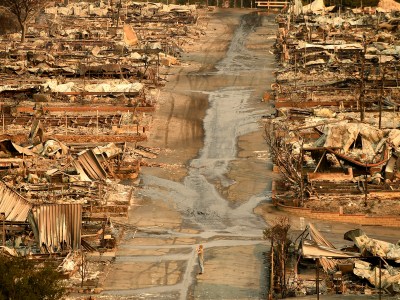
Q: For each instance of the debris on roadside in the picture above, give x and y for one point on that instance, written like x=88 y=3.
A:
x=334 y=137
x=315 y=265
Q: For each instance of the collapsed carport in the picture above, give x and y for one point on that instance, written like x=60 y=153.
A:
x=55 y=227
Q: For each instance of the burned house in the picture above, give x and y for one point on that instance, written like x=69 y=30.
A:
x=362 y=266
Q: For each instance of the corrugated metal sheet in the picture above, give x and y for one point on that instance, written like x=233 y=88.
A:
x=91 y=165
x=57 y=224
x=13 y=204
x=82 y=174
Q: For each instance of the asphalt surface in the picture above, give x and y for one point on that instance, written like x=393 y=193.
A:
x=209 y=135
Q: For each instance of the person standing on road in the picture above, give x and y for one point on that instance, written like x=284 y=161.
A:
x=200 y=258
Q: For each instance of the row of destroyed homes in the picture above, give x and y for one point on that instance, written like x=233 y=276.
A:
x=76 y=101
x=335 y=136
x=335 y=141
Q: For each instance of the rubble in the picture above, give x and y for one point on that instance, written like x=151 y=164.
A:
x=368 y=267
x=334 y=136
x=76 y=101
x=334 y=140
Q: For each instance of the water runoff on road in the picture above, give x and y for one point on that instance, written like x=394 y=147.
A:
x=230 y=115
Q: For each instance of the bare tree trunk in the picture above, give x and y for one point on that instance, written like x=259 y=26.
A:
x=23 y=32
x=283 y=265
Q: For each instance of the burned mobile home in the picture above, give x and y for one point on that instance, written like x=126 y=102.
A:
x=76 y=101
x=334 y=139
x=51 y=183
x=314 y=265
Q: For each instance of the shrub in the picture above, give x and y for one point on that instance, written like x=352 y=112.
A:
x=23 y=279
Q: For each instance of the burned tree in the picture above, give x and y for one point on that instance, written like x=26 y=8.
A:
x=278 y=236
x=84 y=267
x=24 y=11
x=287 y=156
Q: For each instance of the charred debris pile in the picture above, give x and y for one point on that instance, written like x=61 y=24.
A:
x=311 y=264
x=90 y=70
x=335 y=136
x=76 y=101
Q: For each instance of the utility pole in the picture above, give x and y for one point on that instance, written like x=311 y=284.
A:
x=362 y=79
x=317 y=277
x=118 y=11
x=381 y=95
x=158 y=67
x=380 y=277
x=301 y=174
x=366 y=186
x=271 y=278
x=3 y=215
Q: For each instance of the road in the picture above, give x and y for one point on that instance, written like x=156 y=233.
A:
x=216 y=172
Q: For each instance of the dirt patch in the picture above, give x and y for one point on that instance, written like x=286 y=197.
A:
x=372 y=206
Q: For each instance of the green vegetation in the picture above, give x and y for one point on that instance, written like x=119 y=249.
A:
x=23 y=279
